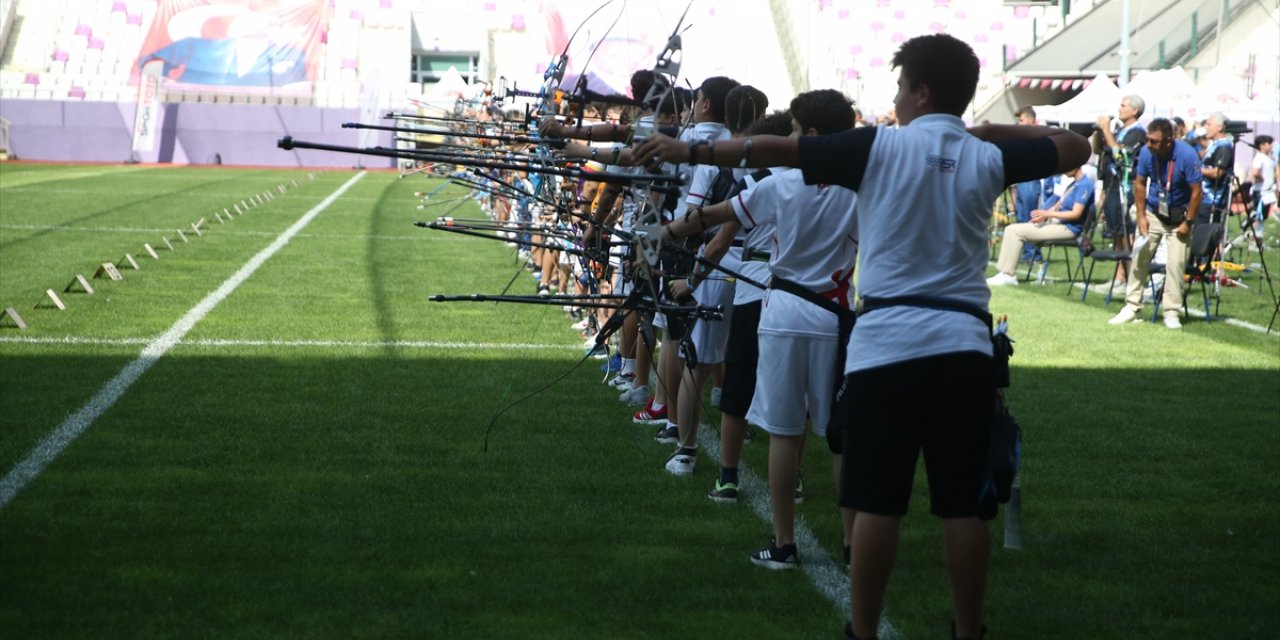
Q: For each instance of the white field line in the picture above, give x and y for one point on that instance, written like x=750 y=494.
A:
x=75 y=424
x=55 y=227
x=828 y=576
x=1190 y=311
x=293 y=344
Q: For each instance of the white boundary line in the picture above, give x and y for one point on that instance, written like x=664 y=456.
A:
x=300 y=344
x=75 y=424
x=1190 y=310
x=829 y=577
x=229 y=232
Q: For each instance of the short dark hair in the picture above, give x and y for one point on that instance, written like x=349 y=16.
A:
x=674 y=103
x=742 y=106
x=825 y=110
x=716 y=89
x=1025 y=110
x=1163 y=126
x=777 y=123
x=1258 y=141
x=640 y=83
x=945 y=64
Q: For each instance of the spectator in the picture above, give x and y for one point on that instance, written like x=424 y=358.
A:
x=1219 y=162
x=1115 y=166
x=1062 y=219
x=1027 y=196
x=1168 y=190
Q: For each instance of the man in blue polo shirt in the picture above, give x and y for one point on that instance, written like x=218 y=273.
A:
x=1167 y=193
x=1062 y=218
x=928 y=335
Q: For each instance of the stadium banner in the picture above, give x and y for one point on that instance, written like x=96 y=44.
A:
x=267 y=46
x=146 y=118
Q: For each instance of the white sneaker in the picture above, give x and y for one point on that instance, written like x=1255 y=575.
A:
x=1126 y=315
x=581 y=324
x=681 y=464
x=1002 y=279
x=623 y=381
x=715 y=397
x=1171 y=321
x=635 y=396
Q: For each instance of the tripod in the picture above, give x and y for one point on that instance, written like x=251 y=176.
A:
x=1248 y=234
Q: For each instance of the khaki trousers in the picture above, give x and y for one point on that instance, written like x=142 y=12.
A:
x=1176 y=262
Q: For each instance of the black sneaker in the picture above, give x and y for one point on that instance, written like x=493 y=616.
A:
x=775 y=557
x=668 y=435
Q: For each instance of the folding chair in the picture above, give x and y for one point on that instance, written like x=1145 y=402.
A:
x=1201 y=251
x=1121 y=258
x=1066 y=245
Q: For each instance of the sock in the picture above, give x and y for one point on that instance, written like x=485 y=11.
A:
x=629 y=365
x=672 y=425
x=658 y=406
x=728 y=475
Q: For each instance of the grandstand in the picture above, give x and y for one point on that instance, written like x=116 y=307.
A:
x=69 y=69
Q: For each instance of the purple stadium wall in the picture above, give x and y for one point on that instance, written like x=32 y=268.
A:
x=190 y=133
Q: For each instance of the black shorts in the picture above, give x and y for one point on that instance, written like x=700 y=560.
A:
x=740 y=357
x=941 y=405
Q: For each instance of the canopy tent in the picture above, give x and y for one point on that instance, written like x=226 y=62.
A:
x=450 y=87
x=1166 y=92
x=1100 y=97
x=1218 y=93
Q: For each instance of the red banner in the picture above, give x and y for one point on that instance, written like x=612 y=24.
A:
x=266 y=44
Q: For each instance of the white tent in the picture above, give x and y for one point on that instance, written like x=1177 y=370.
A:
x=1218 y=93
x=1167 y=93
x=1100 y=97
x=450 y=87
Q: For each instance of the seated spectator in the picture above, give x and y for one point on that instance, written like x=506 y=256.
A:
x=1062 y=218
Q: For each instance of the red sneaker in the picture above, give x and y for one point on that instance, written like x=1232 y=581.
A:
x=648 y=415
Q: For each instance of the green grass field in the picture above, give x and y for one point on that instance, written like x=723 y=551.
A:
x=306 y=460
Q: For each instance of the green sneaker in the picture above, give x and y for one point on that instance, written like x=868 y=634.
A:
x=727 y=492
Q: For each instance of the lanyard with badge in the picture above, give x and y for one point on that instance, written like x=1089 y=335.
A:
x=1162 y=198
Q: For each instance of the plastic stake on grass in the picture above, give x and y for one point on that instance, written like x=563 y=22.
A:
x=168 y=244
x=12 y=314
x=80 y=280
x=151 y=252
x=57 y=302
x=109 y=270
x=182 y=236
x=128 y=259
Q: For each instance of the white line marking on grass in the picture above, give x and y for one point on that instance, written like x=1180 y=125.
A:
x=222 y=231
x=829 y=577
x=356 y=344
x=78 y=422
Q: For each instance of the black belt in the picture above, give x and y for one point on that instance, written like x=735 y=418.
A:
x=739 y=243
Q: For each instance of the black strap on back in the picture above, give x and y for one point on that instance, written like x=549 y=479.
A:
x=1001 y=345
x=801 y=291
x=926 y=302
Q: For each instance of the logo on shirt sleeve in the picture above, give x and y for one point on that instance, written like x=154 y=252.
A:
x=945 y=165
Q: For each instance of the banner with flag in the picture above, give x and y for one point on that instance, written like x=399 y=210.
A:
x=265 y=44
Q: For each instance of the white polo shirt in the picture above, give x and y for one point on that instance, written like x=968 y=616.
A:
x=925 y=193
x=814 y=245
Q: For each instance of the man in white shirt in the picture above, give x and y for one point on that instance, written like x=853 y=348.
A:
x=919 y=374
